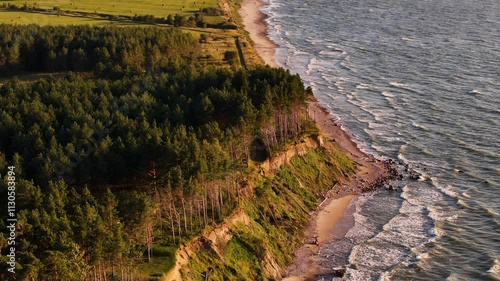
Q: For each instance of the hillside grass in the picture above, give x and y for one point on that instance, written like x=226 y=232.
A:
x=279 y=210
x=162 y=261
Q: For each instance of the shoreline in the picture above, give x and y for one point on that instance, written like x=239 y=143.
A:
x=371 y=173
x=330 y=219
x=255 y=24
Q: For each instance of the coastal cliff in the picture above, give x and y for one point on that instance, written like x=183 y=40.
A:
x=257 y=241
x=281 y=220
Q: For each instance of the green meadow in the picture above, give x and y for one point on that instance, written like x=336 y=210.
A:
x=20 y=17
x=158 y=8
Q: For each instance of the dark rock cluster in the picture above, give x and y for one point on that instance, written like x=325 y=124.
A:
x=396 y=171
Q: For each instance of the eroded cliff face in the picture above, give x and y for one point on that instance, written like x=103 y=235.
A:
x=298 y=149
x=257 y=230
x=213 y=241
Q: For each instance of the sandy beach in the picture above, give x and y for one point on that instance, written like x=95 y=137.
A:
x=323 y=223
x=370 y=171
x=254 y=21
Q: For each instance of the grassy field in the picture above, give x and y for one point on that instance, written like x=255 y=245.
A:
x=158 y=8
x=19 y=17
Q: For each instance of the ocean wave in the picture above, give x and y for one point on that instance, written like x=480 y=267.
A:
x=419 y=126
x=344 y=63
x=311 y=66
x=313 y=41
x=462 y=204
x=402 y=239
x=448 y=190
x=474 y=92
x=389 y=98
x=482 y=150
x=387 y=94
x=492 y=212
x=428 y=208
x=363 y=86
x=332 y=53
x=403 y=86
x=328 y=78
x=401 y=154
x=423 y=256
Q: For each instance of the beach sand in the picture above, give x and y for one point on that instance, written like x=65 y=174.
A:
x=323 y=223
x=254 y=21
x=370 y=171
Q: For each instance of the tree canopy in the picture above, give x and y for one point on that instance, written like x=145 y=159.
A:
x=143 y=151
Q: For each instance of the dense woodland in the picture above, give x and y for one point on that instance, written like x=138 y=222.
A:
x=83 y=48
x=136 y=154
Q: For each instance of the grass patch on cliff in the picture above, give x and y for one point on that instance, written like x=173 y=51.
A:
x=279 y=210
x=163 y=260
x=321 y=169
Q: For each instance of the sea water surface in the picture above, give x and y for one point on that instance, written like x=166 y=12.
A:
x=417 y=81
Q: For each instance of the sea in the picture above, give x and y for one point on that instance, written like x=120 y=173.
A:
x=417 y=81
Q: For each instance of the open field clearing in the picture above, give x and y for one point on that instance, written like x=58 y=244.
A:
x=18 y=17
x=158 y=8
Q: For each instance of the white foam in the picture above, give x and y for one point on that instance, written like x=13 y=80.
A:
x=420 y=126
x=387 y=94
x=448 y=190
x=311 y=66
x=492 y=212
x=402 y=86
x=402 y=157
x=344 y=62
x=423 y=256
x=475 y=92
x=377 y=254
x=461 y=203
x=333 y=53
x=313 y=41
x=403 y=237
x=363 y=86
x=358 y=275
x=495 y=269
x=398 y=85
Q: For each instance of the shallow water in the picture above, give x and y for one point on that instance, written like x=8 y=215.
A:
x=418 y=81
